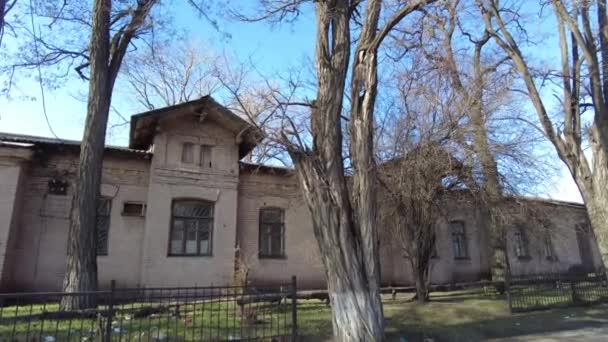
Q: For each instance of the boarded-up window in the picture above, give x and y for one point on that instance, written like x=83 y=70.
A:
x=272 y=233
x=188 y=153
x=104 y=207
x=459 y=240
x=205 y=160
x=191 y=228
x=521 y=244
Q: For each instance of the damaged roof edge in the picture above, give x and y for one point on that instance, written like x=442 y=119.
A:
x=143 y=125
x=11 y=139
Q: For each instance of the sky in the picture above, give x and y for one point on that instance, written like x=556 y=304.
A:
x=273 y=48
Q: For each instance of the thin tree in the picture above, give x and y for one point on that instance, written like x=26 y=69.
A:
x=106 y=55
x=167 y=74
x=412 y=197
x=343 y=210
x=471 y=82
x=583 y=83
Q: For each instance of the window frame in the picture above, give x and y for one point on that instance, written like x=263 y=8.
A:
x=142 y=212
x=465 y=242
x=97 y=230
x=184 y=237
x=520 y=239
x=201 y=153
x=191 y=145
x=261 y=254
x=548 y=246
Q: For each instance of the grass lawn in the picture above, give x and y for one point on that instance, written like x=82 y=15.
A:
x=450 y=316
x=456 y=316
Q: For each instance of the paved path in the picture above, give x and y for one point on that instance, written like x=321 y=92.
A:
x=584 y=334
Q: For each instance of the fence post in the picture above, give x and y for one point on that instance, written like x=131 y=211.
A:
x=294 y=309
x=108 y=334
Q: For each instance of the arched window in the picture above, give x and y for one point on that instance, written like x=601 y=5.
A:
x=191 y=228
x=272 y=233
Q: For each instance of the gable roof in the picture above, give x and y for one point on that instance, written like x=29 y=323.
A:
x=143 y=126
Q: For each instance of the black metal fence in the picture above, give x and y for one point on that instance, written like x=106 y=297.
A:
x=154 y=314
x=544 y=291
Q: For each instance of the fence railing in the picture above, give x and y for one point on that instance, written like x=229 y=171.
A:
x=544 y=291
x=232 y=313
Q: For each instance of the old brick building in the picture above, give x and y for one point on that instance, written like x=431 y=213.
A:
x=178 y=204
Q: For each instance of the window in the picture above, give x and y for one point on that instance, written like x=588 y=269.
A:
x=272 y=233
x=188 y=153
x=58 y=187
x=521 y=244
x=433 y=241
x=205 y=156
x=548 y=247
x=191 y=228
x=134 y=209
x=104 y=207
x=459 y=240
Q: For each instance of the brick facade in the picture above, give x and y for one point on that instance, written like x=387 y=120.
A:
x=34 y=221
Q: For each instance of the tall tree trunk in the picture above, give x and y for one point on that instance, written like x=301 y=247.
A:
x=343 y=220
x=105 y=60
x=492 y=188
x=355 y=298
x=81 y=273
x=595 y=195
x=421 y=279
x=492 y=193
x=2 y=15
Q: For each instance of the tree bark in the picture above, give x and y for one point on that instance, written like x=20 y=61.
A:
x=105 y=60
x=595 y=195
x=355 y=298
x=422 y=281
x=81 y=273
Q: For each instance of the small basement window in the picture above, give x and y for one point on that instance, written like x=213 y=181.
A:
x=134 y=209
x=57 y=187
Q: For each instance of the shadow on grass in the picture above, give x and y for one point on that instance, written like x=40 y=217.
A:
x=416 y=327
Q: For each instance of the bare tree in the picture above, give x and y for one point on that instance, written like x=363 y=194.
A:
x=414 y=188
x=583 y=82
x=106 y=56
x=419 y=145
x=5 y=7
x=167 y=74
x=344 y=217
x=470 y=81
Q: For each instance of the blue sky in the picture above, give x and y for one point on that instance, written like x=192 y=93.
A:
x=273 y=48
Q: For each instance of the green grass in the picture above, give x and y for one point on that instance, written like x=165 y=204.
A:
x=201 y=321
x=451 y=316
x=456 y=316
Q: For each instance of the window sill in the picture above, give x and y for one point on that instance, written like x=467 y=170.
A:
x=272 y=257
x=462 y=258
x=189 y=255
